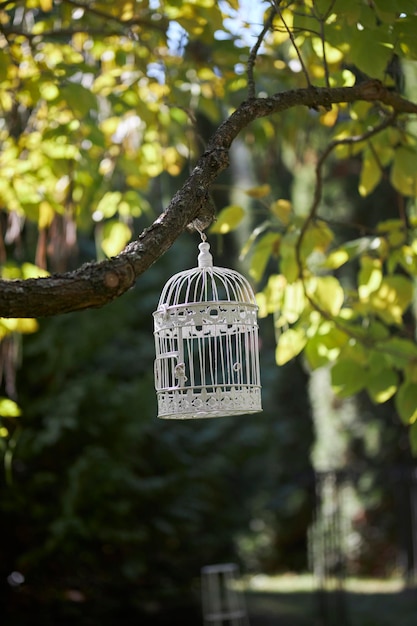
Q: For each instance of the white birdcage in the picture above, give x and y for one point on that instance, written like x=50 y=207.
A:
x=206 y=341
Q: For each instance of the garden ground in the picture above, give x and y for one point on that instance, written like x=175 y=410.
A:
x=292 y=600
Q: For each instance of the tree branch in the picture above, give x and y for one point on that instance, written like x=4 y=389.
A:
x=95 y=284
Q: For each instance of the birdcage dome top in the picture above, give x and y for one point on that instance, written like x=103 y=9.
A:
x=206 y=283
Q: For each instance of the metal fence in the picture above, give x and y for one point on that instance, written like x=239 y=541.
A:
x=365 y=523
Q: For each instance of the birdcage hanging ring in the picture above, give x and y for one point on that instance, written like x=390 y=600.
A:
x=206 y=343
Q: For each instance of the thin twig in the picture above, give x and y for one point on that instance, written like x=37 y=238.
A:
x=323 y=49
x=254 y=52
x=316 y=201
x=296 y=48
x=322 y=20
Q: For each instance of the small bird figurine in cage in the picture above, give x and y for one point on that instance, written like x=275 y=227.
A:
x=206 y=342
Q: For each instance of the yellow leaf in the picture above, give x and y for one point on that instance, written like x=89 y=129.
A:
x=128 y=10
x=393 y=297
x=282 y=210
x=24 y=325
x=9 y=408
x=330 y=117
x=258 y=192
x=290 y=343
x=228 y=219
x=369 y=277
x=116 y=236
x=293 y=303
x=46 y=5
x=327 y=293
x=108 y=205
x=46 y=214
x=371 y=173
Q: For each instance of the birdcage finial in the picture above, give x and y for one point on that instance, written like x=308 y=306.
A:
x=204 y=258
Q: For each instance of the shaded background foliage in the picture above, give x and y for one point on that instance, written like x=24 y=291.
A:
x=108 y=502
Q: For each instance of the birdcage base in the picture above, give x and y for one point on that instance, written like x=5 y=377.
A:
x=205 y=402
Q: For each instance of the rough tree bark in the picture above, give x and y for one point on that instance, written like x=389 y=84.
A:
x=97 y=283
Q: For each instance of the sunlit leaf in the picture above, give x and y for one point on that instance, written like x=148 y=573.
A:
x=115 y=237
x=392 y=298
x=382 y=384
x=282 y=210
x=108 y=205
x=228 y=219
x=24 y=325
x=371 y=173
x=290 y=343
x=258 y=192
x=9 y=408
x=273 y=293
x=369 y=277
x=293 y=303
x=327 y=294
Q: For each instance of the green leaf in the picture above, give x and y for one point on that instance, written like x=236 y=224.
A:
x=387 y=10
x=405 y=31
x=252 y=238
x=382 y=384
x=327 y=293
x=288 y=258
x=79 y=99
x=350 y=250
x=403 y=172
x=262 y=251
x=9 y=408
x=406 y=402
x=317 y=238
x=108 y=205
x=392 y=299
x=228 y=219
x=371 y=173
x=316 y=353
x=29 y=270
x=24 y=325
x=400 y=352
x=273 y=293
x=348 y=377
x=293 y=303
x=370 y=50
x=290 y=344
x=369 y=277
